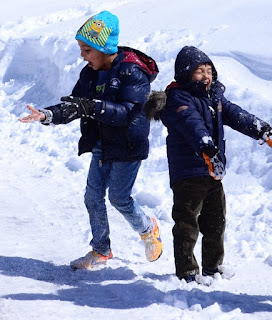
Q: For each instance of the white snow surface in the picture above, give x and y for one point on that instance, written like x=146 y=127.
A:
x=44 y=223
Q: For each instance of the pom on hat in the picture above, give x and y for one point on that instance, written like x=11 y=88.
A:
x=101 y=32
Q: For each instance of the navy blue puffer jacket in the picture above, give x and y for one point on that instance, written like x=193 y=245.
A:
x=191 y=114
x=119 y=122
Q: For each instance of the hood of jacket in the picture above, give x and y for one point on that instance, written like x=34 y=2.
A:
x=145 y=62
x=187 y=61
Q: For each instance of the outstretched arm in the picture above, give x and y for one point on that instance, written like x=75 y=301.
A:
x=241 y=120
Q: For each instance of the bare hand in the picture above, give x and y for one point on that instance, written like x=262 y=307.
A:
x=34 y=116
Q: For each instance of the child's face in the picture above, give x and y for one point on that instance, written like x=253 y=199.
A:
x=96 y=59
x=203 y=73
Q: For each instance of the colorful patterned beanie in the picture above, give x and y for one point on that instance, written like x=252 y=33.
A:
x=101 y=32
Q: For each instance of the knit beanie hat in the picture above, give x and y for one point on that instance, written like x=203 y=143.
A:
x=100 y=32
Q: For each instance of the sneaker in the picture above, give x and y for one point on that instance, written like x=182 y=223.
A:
x=91 y=259
x=199 y=279
x=190 y=278
x=152 y=243
x=221 y=272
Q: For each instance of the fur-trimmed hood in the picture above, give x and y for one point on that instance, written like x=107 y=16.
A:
x=156 y=102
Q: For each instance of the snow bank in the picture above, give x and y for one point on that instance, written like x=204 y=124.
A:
x=44 y=224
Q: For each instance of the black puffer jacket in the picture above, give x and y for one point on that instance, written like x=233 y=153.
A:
x=120 y=121
x=192 y=114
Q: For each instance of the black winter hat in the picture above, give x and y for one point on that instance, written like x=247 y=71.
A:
x=187 y=61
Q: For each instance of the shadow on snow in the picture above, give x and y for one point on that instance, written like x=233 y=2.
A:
x=91 y=288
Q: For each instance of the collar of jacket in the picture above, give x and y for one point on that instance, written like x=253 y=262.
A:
x=197 y=89
x=216 y=92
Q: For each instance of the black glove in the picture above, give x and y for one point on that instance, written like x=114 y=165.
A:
x=74 y=107
x=209 y=149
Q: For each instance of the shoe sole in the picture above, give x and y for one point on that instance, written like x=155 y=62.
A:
x=156 y=258
x=91 y=266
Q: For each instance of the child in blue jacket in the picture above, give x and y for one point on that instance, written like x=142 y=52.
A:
x=109 y=98
x=194 y=115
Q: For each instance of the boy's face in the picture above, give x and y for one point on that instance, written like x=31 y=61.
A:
x=96 y=59
x=203 y=73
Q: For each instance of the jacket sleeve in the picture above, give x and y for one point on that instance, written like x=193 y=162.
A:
x=182 y=117
x=133 y=95
x=58 y=117
x=242 y=121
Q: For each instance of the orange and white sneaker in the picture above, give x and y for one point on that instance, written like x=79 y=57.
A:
x=152 y=243
x=91 y=260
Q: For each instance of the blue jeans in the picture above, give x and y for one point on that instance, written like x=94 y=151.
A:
x=119 y=178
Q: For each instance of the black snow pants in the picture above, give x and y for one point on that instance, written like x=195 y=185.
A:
x=199 y=206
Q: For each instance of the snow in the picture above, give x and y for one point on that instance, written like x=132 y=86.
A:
x=44 y=224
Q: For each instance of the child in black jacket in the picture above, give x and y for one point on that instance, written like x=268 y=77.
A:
x=194 y=115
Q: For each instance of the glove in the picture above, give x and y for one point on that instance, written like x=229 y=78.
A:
x=74 y=107
x=215 y=166
x=209 y=149
x=211 y=157
x=267 y=137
